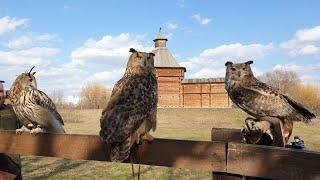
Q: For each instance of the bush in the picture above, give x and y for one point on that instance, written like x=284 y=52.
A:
x=94 y=96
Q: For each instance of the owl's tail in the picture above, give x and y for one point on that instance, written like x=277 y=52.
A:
x=302 y=113
x=120 y=151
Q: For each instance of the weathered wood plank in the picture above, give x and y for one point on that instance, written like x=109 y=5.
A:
x=10 y=164
x=272 y=162
x=226 y=135
x=203 y=155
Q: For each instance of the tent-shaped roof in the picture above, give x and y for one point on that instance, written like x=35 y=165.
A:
x=163 y=57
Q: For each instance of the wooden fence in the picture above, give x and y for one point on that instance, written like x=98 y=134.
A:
x=224 y=155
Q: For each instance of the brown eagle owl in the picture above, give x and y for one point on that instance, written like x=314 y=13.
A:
x=132 y=109
x=34 y=109
x=262 y=101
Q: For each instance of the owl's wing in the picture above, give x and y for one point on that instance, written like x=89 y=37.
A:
x=260 y=99
x=131 y=102
x=44 y=101
x=305 y=112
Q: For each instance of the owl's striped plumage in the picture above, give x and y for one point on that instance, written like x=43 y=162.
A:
x=34 y=109
x=260 y=100
x=132 y=109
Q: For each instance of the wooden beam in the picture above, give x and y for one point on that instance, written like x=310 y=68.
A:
x=202 y=155
x=272 y=162
x=226 y=135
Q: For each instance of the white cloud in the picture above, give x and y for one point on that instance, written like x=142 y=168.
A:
x=304 y=42
x=308 y=50
x=181 y=3
x=237 y=50
x=106 y=77
x=100 y=61
x=31 y=40
x=172 y=25
x=210 y=62
x=304 y=69
x=201 y=20
x=109 y=50
x=31 y=56
x=8 y=24
x=312 y=34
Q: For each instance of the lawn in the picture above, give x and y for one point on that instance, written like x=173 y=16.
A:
x=173 y=123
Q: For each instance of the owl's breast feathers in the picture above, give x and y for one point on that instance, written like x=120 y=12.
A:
x=260 y=100
x=34 y=106
x=132 y=101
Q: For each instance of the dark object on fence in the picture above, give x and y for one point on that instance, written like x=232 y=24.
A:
x=264 y=140
x=10 y=164
x=297 y=143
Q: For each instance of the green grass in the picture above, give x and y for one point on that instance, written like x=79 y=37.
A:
x=174 y=123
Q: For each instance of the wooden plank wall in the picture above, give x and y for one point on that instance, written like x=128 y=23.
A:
x=172 y=93
x=205 y=95
x=169 y=86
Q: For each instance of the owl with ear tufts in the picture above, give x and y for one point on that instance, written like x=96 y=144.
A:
x=264 y=103
x=132 y=109
x=35 y=110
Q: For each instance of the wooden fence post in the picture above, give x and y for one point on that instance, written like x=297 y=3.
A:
x=225 y=135
x=10 y=164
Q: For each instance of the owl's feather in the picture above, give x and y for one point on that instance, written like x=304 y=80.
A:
x=263 y=101
x=130 y=103
x=131 y=110
x=33 y=107
x=260 y=100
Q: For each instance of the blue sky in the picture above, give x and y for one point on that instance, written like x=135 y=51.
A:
x=73 y=43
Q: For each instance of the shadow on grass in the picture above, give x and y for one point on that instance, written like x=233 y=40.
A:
x=60 y=166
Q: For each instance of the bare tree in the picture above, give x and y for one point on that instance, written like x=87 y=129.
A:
x=57 y=97
x=94 y=96
x=283 y=80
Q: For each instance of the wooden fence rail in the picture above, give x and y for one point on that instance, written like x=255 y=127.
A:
x=203 y=155
x=216 y=156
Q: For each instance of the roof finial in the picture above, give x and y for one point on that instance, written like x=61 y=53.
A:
x=159 y=30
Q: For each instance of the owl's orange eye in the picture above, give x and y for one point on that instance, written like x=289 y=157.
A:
x=233 y=69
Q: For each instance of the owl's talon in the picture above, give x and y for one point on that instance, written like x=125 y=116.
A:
x=21 y=130
x=147 y=137
x=36 y=131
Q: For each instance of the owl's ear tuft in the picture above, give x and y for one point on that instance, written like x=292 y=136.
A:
x=249 y=62
x=228 y=63
x=132 y=50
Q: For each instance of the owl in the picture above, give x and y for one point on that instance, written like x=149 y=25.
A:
x=263 y=102
x=132 y=109
x=34 y=109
